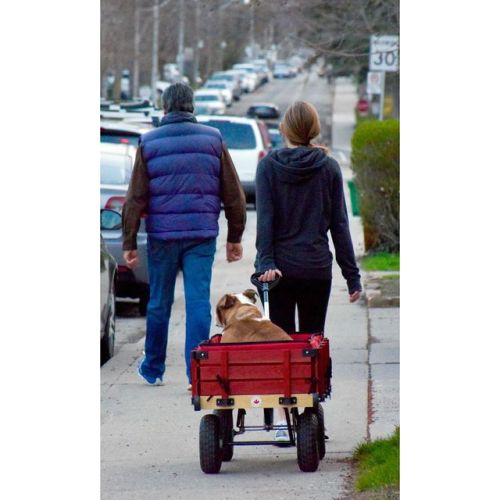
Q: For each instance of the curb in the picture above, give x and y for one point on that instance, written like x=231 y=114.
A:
x=126 y=357
x=381 y=291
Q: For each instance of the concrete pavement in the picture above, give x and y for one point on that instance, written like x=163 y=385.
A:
x=149 y=435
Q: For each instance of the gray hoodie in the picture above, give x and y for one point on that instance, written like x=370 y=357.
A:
x=299 y=198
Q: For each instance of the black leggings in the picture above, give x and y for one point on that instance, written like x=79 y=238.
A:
x=309 y=296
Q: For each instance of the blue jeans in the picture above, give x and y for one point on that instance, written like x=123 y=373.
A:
x=165 y=259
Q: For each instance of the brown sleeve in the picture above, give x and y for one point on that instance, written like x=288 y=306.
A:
x=136 y=202
x=233 y=198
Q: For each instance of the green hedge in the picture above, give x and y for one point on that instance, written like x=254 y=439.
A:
x=375 y=162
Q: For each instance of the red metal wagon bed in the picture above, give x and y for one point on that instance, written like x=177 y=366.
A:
x=266 y=375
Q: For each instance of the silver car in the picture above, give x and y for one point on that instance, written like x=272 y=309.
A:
x=109 y=219
x=116 y=170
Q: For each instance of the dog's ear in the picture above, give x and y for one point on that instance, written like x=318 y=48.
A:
x=219 y=321
x=251 y=294
x=227 y=301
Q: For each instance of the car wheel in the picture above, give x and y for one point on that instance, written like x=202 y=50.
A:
x=108 y=340
x=143 y=302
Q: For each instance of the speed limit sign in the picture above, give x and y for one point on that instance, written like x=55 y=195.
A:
x=384 y=53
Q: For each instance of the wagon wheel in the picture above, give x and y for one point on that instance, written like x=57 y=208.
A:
x=210 y=444
x=226 y=427
x=307 y=442
x=318 y=411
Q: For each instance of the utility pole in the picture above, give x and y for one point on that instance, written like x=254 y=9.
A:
x=137 y=45
x=252 y=29
x=154 y=62
x=199 y=43
x=180 y=45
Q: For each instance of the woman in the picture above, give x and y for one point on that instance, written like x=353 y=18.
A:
x=299 y=199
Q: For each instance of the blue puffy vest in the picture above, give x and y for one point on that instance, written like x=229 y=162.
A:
x=183 y=163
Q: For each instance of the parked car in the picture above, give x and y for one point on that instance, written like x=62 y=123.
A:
x=263 y=110
x=277 y=141
x=116 y=170
x=109 y=219
x=223 y=87
x=230 y=77
x=248 y=142
x=248 y=82
x=117 y=161
x=251 y=73
x=283 y=70
x=125 y=132
x=202 y=109
x=212 y=99
x=262 y=66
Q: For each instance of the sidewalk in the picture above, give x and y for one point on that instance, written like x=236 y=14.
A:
x=149 y=435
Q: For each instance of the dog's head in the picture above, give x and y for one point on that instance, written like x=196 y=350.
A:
x=230 y=302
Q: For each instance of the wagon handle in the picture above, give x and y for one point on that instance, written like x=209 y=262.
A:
x=265 y=287
x=260 y=284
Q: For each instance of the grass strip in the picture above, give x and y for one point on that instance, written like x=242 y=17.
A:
x=378 y=463
x=382 y=261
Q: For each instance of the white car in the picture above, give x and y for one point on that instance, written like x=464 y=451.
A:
x=247 y=82
x=117 y=161
x=251 y=74
x=247 y=141
x=225 y=89
x=210 y=99
x=282 y=71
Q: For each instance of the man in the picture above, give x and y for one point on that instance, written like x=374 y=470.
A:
x=181 y=175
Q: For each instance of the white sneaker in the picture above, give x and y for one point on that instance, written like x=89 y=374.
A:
x=281 y=435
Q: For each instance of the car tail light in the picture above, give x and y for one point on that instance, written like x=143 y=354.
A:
x=115 y=203
x=123 y=140
x=262 y=154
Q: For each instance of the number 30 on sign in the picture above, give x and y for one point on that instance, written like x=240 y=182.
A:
x=384 y=53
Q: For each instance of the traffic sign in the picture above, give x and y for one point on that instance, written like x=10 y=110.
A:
x=374 y=82
x=384 y=53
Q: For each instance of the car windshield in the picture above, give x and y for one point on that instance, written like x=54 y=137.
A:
x=120 y=139
x=235 y=135
x=216 y=86
x=222 y=77
x=203 y=98
x=116 y=169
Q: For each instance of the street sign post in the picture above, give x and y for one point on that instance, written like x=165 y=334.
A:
x=384 y=56
x=374 y=82
x=384 y=53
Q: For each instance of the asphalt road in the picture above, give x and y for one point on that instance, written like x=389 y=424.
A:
x=306 y=86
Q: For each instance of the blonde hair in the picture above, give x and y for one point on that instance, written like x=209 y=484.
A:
x=301 y=123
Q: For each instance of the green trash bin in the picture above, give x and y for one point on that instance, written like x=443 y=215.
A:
x=354 y=197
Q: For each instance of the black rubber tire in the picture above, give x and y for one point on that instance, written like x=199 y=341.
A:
x=318 y=411
x=226 y=427
x=210 y=444
x=321 y=432
x=108 y=339
x=143 y=302
x=307 y=442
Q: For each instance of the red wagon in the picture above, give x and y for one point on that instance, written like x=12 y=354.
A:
x=263 y=375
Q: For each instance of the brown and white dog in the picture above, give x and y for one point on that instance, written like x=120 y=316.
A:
x=243 y=321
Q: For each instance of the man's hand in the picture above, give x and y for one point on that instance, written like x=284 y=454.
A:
x=270 y=275
x=234 y=251
x=353 y=297
x=131 y=258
